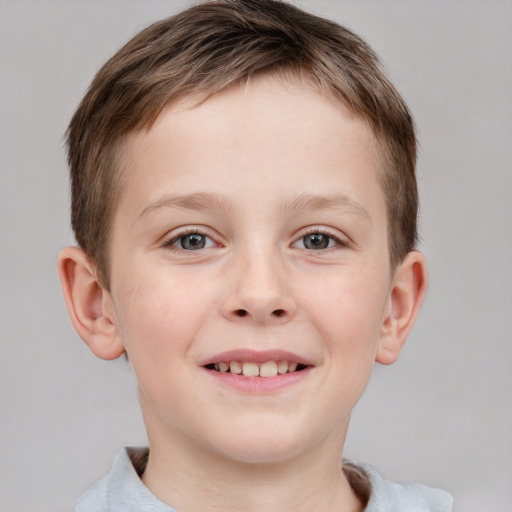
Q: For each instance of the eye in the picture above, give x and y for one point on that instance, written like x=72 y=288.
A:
x=318 y=241
x=191 y=242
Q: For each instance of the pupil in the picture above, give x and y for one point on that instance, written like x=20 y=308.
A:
x=316 y=241
x=193 y=241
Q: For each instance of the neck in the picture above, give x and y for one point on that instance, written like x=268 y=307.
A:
x=191 y=478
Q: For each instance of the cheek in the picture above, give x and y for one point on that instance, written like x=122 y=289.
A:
x=347 y=312
x=158 y=319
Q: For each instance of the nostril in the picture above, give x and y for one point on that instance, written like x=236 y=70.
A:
x=278 y=312
x=241 y=312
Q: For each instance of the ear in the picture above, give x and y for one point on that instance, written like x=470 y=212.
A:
x=90 y=306
x=407 y=292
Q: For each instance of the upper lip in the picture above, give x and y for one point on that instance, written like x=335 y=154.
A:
x=256 y=356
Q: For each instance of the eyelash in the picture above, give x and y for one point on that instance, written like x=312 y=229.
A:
x=324 y=232
x=170 y=244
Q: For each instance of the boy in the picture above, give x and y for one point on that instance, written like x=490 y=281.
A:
x=244 y=200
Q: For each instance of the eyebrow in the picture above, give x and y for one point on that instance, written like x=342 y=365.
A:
x=196 y=201
x=298 y=203
x=316 y=202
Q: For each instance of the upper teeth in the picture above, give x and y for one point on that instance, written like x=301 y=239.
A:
x=250 y=369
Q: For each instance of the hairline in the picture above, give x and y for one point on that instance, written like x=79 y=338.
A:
x=289 y=75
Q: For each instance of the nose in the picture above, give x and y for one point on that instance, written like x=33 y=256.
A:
x=258 y=291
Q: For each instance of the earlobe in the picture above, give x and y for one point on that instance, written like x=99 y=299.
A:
x=89 y=305
x=407 y=292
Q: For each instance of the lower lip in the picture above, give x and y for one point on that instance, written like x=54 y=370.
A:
x=259 y=385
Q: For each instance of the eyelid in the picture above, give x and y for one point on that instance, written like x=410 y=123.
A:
x=177 y=233
x=341 y=241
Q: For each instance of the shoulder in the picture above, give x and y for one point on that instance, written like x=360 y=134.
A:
x=122 y=490
x=386 y=496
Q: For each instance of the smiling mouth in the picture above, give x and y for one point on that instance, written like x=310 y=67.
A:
x=252 y=369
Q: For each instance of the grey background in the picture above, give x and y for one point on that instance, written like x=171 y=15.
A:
x=441 y=415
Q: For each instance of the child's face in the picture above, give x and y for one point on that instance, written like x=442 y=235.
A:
x=252 y=228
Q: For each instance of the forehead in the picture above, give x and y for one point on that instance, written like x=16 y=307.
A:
x=267 y=133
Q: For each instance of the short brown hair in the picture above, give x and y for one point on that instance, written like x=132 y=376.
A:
x=205 y=49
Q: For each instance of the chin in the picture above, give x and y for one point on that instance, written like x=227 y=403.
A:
x=262 y=447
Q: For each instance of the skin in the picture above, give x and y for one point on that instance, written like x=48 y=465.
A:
x=255 y=171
